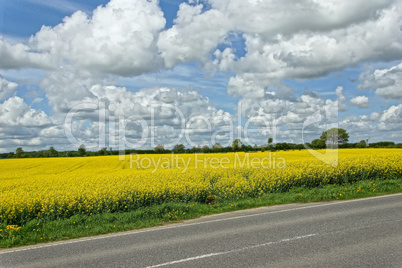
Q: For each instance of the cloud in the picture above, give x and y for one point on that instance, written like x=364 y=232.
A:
x=289 y=17
x=15 y=112
x=6 y=88
x=193 y=37
x=119 y=38
x=360 y=101
x=283 y=40
x=263 y=23
x=339 y=105
x=392 y=115
x=166 y=113
x=239 y=87
x=387 y=82
x=67 y=87
x=169 y=106
x=311 y=54
x=20 y=55
x=37 y=100
x=379 y=126
x=284 y=119
x=292 y=49
x=21 y=125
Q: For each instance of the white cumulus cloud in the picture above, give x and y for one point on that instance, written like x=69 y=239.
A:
x=194 y=35
x=6 y=88
x=119 y=38
x=19 y=55
x=360 y=101
x=387 y=82
x=15 y=112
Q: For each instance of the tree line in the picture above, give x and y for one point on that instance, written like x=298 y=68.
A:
x=332 y=138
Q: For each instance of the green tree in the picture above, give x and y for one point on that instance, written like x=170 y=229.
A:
x=318 y=144
x=195 y=149
x=236 y=145
x=19 y=152
x=335 y=136
x=159 y=148
x=271 y=146
x=178 y=149
x=52 y=151
x=217 y=147
x=82 y=151
x=103 y=151
x=205 y=149
x=362 y=144
x=11 y=155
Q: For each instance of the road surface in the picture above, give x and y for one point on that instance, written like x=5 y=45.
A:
x=356 y=233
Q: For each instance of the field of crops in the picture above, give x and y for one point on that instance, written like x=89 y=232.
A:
x=55 y=188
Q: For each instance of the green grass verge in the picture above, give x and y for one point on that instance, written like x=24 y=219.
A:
x=39 y=231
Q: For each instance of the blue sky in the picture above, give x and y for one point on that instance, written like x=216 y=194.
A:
x=251 y=63
x=23 y=18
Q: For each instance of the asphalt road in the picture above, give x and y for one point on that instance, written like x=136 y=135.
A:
x=357 y=233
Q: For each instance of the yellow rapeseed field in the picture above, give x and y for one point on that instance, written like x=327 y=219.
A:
x=54 y=188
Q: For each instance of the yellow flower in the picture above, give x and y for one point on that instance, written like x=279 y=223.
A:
x=62 y=187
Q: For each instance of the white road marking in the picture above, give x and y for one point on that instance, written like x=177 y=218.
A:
x=230 y=251
x=180 y=225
